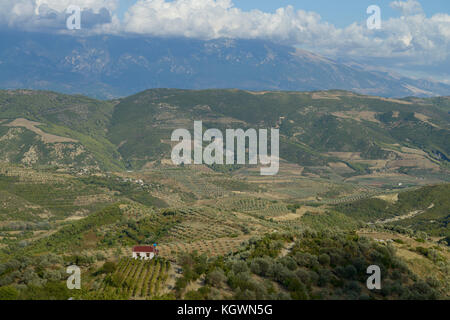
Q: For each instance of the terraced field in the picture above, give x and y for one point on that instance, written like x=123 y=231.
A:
x=212 y=248
x=253 y=206
x=138 y=279
x=206 y=224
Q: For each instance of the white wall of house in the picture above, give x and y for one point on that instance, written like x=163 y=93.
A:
x=143 y=255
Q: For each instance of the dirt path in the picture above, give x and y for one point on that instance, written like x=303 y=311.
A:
x=31 y=125
x=403 y=217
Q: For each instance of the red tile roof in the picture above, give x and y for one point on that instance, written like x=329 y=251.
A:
x=143 y=249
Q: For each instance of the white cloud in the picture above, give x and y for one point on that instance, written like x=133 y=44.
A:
x=411 y=38
x=414 y=36
x=408 y=7
x=406 y=36
x=210 y=19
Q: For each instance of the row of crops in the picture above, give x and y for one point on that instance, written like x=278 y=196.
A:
x=139 y=278
x=198 y=184
x=355 y=197
x=254 y=205
x=212 y=248
x=204 y=224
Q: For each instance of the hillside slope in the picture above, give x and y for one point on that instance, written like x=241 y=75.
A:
x=335 y=133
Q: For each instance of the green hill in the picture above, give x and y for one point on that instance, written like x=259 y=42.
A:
x=112 y=135
x=425 y=209
x=78 y=118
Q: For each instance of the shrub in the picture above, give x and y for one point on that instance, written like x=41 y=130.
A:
x=109 y=267
x=288 y=262
x=306 y=260
x=324 y=259
x=216 y=278
x=261 y=266
x=239 y=266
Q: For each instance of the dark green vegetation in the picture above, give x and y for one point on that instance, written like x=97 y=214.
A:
x=315 y=266
x=76 y=117
x=428 y=208
x=319 y=256
x=311 y=124
x=362 y=181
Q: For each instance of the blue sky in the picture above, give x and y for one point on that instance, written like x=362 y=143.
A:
x=341 y=13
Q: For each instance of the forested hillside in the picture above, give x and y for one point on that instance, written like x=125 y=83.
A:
x=359 y=134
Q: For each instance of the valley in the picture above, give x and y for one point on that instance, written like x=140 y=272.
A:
x=82 y=181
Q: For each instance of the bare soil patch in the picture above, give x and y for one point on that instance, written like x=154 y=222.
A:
x=357 y=115
x=299 y=213
x=31 y=125
x=392 y=198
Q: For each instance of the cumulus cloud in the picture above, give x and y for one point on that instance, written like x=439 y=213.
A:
x=211 y=19
x=413 y=35
x=407 y=7
x=412 y=38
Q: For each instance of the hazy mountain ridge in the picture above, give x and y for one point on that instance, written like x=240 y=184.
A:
x=114 y=66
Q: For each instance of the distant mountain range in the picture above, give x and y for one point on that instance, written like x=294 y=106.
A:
x=115 y=66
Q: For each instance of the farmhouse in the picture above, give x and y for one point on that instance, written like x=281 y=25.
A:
x=144 y=252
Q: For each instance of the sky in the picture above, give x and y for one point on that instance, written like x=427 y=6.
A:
x=339 y=12
x=413 y=38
